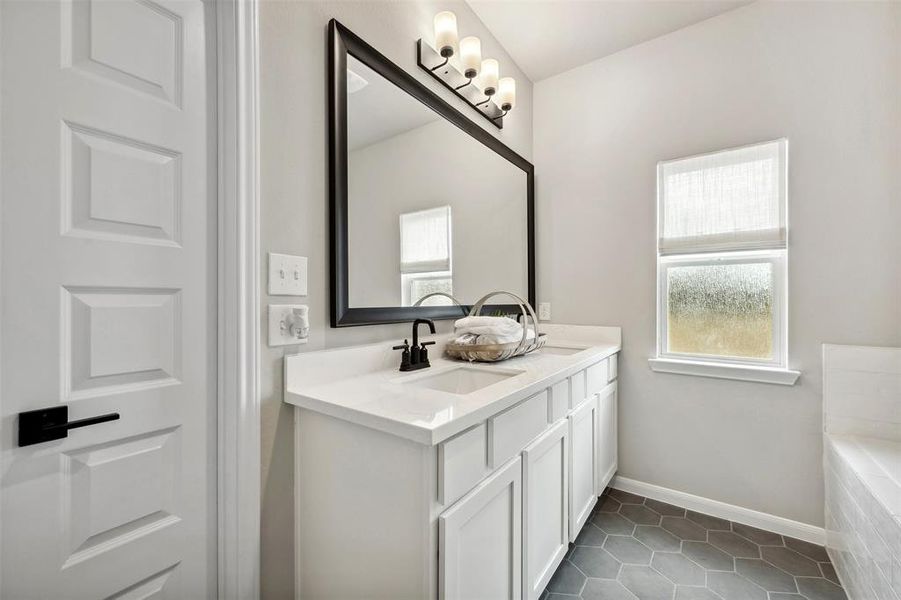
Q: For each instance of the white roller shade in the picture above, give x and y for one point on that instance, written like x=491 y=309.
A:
x=729 y=200
x=425 y=240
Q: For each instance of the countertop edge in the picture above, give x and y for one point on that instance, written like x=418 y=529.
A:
x=431 y=437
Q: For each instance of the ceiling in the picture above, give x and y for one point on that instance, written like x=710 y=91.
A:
x=547 y=37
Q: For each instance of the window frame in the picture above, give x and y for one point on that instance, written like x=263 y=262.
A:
x=777 y=258
x=773 y=370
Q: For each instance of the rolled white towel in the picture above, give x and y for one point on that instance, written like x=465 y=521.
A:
x=499 y=326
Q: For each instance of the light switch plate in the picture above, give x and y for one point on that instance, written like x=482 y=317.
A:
x=287 y=275
x=279 y=329
x=544 y=311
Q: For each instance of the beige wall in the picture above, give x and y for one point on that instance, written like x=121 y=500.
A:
x=294 y=174
x=828 y=77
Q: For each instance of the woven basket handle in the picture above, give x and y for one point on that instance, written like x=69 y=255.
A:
x=524 y=306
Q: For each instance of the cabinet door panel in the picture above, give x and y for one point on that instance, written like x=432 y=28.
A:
x=607 y=439
x=583 y=470
x=545 y=508
x=480 y=540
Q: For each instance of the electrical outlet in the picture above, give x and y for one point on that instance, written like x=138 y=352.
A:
x=544 y=311
x=287 y=275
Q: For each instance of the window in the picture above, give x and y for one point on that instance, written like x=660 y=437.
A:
x=425 y=256
x=721 y=264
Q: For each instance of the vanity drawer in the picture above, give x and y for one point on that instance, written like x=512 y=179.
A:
x=462 y=463
x=558 y=404
x=511 y=430
x=611 y=367
x=577 y=389
x=597 y=377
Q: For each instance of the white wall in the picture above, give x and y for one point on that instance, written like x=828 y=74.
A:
x=294 y=179
x=828 y=77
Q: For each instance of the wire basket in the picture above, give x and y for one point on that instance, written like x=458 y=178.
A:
x=498 y=352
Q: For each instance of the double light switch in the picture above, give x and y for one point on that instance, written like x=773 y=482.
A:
x=289 y=324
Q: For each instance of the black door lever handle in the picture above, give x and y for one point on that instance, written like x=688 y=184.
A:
x=47 y=424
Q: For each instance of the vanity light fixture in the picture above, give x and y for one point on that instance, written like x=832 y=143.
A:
x=506 y=94
x=445 y=35
x=474 y=79
x=470 y=59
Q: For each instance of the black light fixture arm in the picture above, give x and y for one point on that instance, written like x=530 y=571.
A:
x=460 y=87
x=446 y=60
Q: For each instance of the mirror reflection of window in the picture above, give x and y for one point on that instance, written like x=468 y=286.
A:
x=426 y=256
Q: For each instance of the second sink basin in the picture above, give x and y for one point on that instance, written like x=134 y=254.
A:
x=460 y=380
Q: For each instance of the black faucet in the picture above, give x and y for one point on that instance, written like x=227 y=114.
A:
x=416 y=357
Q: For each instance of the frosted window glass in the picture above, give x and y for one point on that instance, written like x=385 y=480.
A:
x=425 y=240
x=730 y=198
x=430 y=285
x=721 y=310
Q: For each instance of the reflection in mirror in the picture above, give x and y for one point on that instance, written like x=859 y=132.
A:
x=430 y=209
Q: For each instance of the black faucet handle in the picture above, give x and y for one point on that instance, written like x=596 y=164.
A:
x=424 y=344
x=405 y=356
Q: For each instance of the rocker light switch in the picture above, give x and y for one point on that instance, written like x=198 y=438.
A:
x=287 y=275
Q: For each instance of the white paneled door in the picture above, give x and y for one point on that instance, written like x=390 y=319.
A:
x=108 y=298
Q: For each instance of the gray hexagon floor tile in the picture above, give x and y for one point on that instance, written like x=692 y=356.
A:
x=688 y=556
x=679 y=569
x=595 y=562
x=733 y=544
x=656 y=538
x=628 y=550
x=605 y=589
x=758 y=536
x=708 y=522
x=626 y=497
x=817 y=588
x=607 y=504
x=684 y=592
x=640 y=514
x=830 y=574
x=709 y=557
x=790 y=561
x=765 y=575
x=734 y=587
x=613 y=523
x=817 y=553
x=667 y=510
x=566 y=580
x=684 y=529
x=645 y=583
x=591 y=535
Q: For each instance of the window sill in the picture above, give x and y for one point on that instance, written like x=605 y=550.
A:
x=725 y=371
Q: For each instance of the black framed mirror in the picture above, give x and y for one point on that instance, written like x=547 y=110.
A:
x=425 y=206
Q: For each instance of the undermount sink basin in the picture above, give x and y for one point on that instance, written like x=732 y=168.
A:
x=562 y=350
x=460 y=380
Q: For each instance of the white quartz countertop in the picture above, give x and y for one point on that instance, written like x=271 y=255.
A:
x=362 y=384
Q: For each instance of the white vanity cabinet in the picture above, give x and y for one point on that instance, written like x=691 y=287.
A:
x=607 y=439
x=545 y=537
x=397 y=507
x=480 y=552
x=583 y=446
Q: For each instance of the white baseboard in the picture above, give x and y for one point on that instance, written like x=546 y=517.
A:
x=783 y=526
